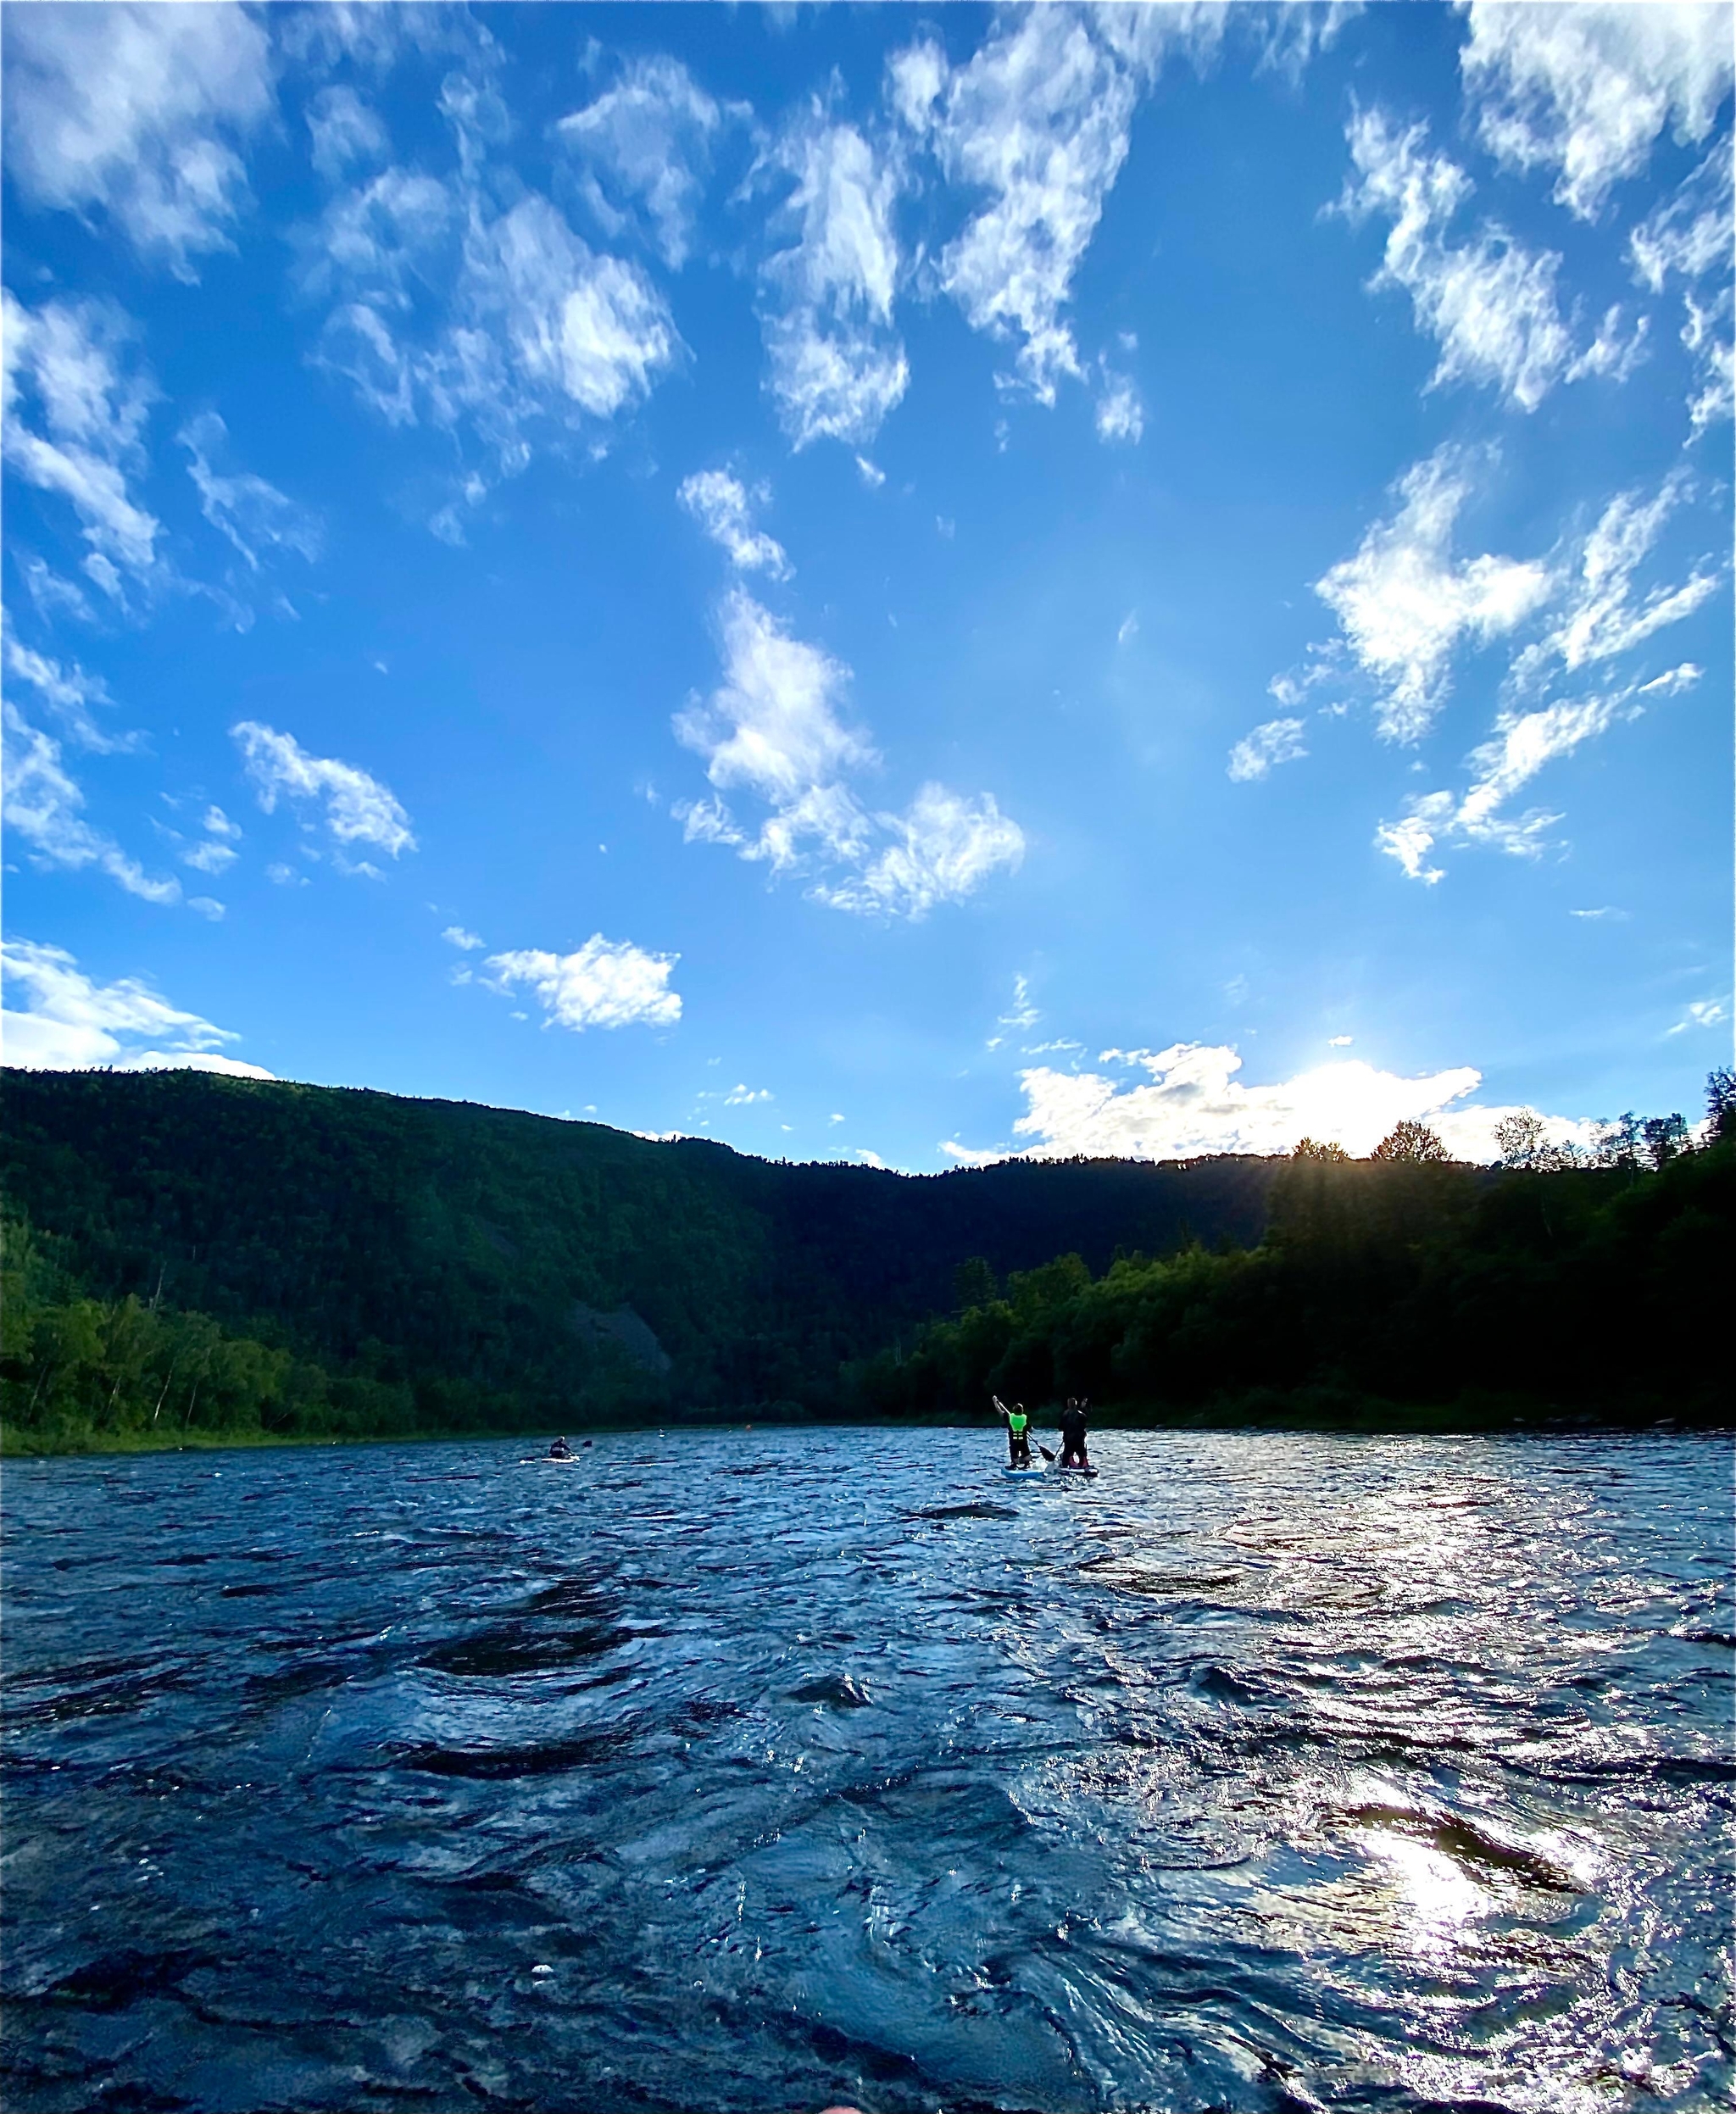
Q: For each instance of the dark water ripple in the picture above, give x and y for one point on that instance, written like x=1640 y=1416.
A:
x=754 y=1770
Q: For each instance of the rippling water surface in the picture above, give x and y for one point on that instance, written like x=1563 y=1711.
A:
x=750 y=1771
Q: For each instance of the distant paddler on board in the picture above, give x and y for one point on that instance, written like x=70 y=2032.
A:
x=1018 y=1435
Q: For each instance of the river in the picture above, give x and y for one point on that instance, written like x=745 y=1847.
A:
x=757 y=1770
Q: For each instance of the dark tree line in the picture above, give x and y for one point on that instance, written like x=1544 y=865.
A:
x=1562 y=1283
x=186 y=1256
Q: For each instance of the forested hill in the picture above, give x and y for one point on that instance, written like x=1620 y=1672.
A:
x=182 y=1246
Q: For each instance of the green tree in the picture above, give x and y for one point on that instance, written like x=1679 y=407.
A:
x=1309 y=1148
x=974 y=1284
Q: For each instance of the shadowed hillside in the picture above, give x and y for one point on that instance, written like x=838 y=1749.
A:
x=191 y=1250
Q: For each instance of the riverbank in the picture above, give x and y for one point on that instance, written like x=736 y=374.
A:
x=1308 y=1409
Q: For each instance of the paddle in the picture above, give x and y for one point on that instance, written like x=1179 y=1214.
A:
x=1046 y=1453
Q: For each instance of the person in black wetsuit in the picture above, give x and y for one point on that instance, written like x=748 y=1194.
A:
x=1073 y=1453
x=561 y=1451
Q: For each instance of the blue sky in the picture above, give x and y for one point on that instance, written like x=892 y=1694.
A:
x=887 y=583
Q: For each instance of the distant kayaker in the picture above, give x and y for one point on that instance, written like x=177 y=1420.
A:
x=1073 y=1418
x=1018 y=1433
x=560 y=1450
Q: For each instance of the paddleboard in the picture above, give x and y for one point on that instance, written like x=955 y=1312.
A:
x=1085 y=1475
x=549 y=1460
x=1020 y=1475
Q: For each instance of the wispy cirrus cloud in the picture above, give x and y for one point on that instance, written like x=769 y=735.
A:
x=141 y=113
x=835 y=364
x=358 y=810
x=1489 y=302
x=645 y=147
x=251 y=514
x=1522 y=743
x=1276 y=742
x=723 y=507
x=604 y=983
x=44 y=808
x=1686 y=241
x=69 y=692
x=1587 y=91
x=76 y=400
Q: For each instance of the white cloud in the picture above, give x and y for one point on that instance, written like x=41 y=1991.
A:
x=1489 y=302
x=344 y=131
x=245 y=509
x=836 y=1119
x=773 y=726
x=775 y=729
x=468 y=942
x=1588 y=89
x=1603 y=911
x=1688 y=239
x=92 y=400
x=1128 y=628
x=870 y=473
x=646 y=147
x=722 y=506
x=1120 y=414
x=1339 y=1042
x=945 y=847
x=44 y=807
x=1702 y=1013
x=1039 y=119
x=868 y=1159
x=1019 y=1016
x=1276 y=742
x=358 y=809
x=1520 y=745
x=742 y=1097
x=284 y=876
x=836 y=366
x=1602 y=617
x=1405 y=605
x=67 y=691
x=605 y=983
x=450 y=311
x=1193 y=1104
x=68 y=1023
x=138 y=110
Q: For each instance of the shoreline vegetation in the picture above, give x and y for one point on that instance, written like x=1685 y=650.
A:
x=191 y=1260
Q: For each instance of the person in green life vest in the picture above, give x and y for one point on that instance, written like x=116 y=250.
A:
x=1018 y=1433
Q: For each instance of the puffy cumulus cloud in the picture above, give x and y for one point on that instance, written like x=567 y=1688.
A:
x=1405 y=605
x=1191 y=1103
x=1520 y=745
x=68 y=692
x=645 y=147
x=742 y=1096
x=1589 y=90
x=775 y=728
x=251 y=514
x=44 y=808
x=358 y=809
x=466 y=943
x=76 y=400
x=62 y=1020
x=723 y=507
x=943 y=848
x=1276 y=742
x=138 y=111
x=1488 y=301
x=605 y=983
x=837 y=367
